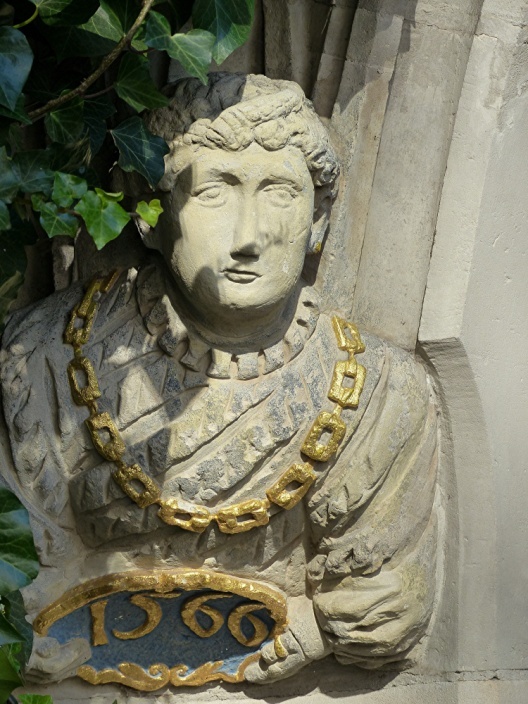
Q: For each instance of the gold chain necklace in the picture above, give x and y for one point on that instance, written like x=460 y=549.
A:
x=237 y=518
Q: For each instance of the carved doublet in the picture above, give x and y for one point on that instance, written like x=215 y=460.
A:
x=206 y=439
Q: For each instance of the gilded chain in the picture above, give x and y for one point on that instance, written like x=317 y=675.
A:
x=237 y=518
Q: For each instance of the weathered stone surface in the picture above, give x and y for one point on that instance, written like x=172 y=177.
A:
x=212 y=363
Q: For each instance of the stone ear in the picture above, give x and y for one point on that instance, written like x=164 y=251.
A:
x=321 y=219
x=148 y=234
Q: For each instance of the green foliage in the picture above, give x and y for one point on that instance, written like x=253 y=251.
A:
x=193 y=50
x=74 y=79
x=16 y=614
x=16 y=59
x=139 y=150
x=229 y=21
x=104 y=218
x=66 y=12
x=65 y=124
x=18 y=566
x=135 y=86
x=67 y=188
x=149 y=212
x=18 y=559
x=9 y=672
x=5 y=220
x=8 y=633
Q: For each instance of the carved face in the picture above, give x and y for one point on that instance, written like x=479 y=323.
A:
x=239 y=228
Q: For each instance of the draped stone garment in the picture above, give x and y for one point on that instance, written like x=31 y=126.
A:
x=216 y=428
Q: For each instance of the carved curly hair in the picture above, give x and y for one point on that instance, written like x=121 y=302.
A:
x=233 y=110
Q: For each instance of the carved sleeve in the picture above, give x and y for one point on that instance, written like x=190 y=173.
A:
x=374 y=520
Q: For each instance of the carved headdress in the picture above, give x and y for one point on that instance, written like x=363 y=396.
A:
x=233 y=110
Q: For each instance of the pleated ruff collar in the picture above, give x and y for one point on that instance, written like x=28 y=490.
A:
x=177 y=335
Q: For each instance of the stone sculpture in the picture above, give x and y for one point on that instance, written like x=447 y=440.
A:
x=199 y=442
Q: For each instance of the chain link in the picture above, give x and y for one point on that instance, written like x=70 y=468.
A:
x=240 y=517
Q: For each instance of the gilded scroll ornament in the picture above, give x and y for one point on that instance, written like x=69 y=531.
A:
x=236 y=615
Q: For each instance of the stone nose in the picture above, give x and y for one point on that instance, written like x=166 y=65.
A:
x=247 y=235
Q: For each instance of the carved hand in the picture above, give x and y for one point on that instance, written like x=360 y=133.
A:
x=369 y=620
x=303 y=641
x=52 y=662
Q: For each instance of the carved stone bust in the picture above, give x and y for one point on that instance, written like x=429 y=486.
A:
x=198 y=424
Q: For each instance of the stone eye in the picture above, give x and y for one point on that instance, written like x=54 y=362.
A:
x=280 y=194
x=210 y=194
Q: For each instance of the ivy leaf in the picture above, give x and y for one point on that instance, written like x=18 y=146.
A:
x=5 y=220
x=139 y=150
x=71 y=157
x=121 y=13
x=9 y=677
x=96 y=112
x=32 y=171
x=65 y=124
x=16 y=614
x=66 y=12
x=116 y=197
x=134 y=84
x=77 y=42
x=8 y=634
x=229 y=20
x=34 y=699
x=193 y=50
x=105 y=24
x=18 y=113
x=18 y=559
x=8 y=178
x=67 y=188
x=55 y=222
x=16 y=59
x=104 y=218
x=149 y=212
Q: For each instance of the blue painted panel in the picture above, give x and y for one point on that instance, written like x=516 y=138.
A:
x=171 y=642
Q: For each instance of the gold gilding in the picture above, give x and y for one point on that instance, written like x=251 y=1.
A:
x=124 y=476
x=164 y=583
x=159 y=676
x=111 y=449
x=237 y=518
x=260 y=630
x=348 y=337
x=153 y=613
x=78 y=335
x=197 y=604
x=316 y=450
x=301 y=474
x=347 y=397
x=97 y=611
x=89 y=393
x=280 y=650
x=171 y=513
x=257 y=510
x=129 y=674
